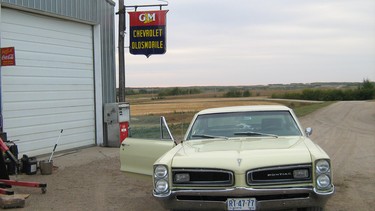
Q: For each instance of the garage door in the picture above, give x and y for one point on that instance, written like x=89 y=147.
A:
x=52 y=85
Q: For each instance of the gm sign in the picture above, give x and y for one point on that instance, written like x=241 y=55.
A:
x=147 y=17
x=148 y=32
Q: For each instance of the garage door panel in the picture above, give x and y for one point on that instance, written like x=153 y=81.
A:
x=47 y=72
x=15 y=106
x=48 y=64
x=40 y=96
x=46 y=111
x=25 y=133
x=48 y=81
x=52 y=57
x=44 y=87
x=48 y=48
x=34 y=35
x=52 y=85
x=46 y=145
x=49 y=119
x=52 y=134
x=42 y=23
x=51 y=38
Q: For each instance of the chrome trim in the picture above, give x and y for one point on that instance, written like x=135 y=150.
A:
x=163 y=121
x=156 y=179
x=223 y=183
x=311 y=199
x=318 y=173
x=250 y=181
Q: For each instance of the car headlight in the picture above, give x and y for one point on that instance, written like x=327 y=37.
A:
x=161 y=185
x=160 y=171
x=323 y=181
x=323 y=175
x=322 y=166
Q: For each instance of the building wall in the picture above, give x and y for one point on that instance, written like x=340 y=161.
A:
x=99 y=14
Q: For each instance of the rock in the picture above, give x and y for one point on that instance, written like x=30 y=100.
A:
x=13 y=201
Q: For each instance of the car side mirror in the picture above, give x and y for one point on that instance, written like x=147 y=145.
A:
x=308 y=131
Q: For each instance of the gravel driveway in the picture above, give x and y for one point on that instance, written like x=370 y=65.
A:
x=89 y=179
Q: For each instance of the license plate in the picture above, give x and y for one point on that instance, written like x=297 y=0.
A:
x=241 y=204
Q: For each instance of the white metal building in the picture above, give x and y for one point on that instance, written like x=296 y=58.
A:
x=64 y=73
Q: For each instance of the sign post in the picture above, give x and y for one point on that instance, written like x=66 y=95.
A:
x=147 y=35
x=148 y=32
x=121 y=52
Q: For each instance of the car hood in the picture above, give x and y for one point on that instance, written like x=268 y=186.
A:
x=242 y=154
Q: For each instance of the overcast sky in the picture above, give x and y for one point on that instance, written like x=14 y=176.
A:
x=259 y=42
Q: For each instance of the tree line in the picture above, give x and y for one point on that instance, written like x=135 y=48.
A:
x=364 y=91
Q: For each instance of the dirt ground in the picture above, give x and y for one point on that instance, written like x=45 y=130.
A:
x=89 y=179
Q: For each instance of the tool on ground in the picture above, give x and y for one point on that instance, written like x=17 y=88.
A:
x=5 y=181
x=54 y=148
x=5 y=149
x=43 y=186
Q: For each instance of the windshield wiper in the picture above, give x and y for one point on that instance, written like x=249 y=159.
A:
x=250 y=133
x=208 y=136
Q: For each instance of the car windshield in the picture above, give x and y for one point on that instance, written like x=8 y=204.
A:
x=236 y=124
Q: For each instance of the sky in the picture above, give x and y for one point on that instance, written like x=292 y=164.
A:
x=258 y=42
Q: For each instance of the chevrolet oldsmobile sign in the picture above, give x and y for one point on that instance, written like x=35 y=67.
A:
x=147 y=32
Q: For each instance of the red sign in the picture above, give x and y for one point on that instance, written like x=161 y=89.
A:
x=148 y=18
x=148 y=32
x=8 y=56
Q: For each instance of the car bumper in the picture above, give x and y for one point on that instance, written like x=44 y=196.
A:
x=266 y=199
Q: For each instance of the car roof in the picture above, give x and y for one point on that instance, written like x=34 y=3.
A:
x=245 y=108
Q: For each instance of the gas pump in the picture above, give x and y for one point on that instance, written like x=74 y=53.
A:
x=117 y=118
x=124 y=119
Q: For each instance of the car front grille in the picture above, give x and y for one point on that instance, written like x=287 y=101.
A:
x=204 y=177
x=278 y=175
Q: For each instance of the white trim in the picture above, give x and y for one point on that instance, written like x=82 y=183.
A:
x=98 y=86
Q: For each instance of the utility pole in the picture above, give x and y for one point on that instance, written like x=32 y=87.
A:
x=121 y=50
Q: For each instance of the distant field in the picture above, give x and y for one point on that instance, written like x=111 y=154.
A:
x=192 y=105
x=189 y=105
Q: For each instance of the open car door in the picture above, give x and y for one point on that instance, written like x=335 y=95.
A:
x=138 y=155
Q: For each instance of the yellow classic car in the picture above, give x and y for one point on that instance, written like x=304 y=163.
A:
x=235 y=158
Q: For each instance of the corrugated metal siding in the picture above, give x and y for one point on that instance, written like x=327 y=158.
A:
x=91 y=11
x=78 y=9
x=107 y=23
